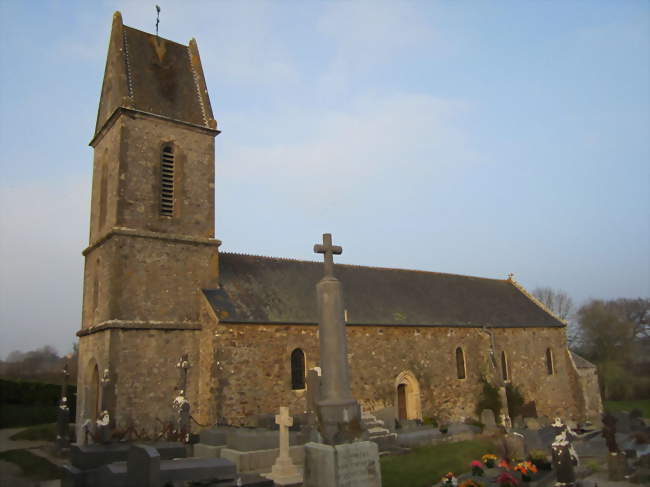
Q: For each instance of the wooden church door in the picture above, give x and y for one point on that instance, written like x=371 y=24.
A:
x=401 y=401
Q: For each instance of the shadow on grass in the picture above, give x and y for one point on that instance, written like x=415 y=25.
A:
x=425 y=466
x=40 y=432
x=33 y=466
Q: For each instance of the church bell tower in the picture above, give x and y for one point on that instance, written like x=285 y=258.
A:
x=151 y=245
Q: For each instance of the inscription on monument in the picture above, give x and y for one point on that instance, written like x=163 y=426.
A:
x=358 y=465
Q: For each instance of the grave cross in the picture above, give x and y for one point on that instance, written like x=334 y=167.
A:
x=329 y=251
x=284 y=421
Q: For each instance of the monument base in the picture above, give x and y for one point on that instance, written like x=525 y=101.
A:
x=617 y=466
x=284 y=472
x=346 y=465
x=340 y=421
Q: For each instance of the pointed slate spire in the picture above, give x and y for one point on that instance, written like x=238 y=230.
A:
x=150 y=74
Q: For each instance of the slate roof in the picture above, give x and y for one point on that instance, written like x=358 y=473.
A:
x=581 y=363
x=153 y=75
x=256 y=289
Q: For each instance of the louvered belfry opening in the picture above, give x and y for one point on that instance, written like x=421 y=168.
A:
x=167 y=182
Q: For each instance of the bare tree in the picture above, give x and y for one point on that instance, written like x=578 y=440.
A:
x=556 y=300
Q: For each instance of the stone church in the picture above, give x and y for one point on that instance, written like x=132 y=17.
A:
x=156 y=286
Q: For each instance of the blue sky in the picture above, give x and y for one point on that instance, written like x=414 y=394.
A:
x=475 y=138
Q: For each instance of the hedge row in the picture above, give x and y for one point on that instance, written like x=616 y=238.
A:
x=23 y=403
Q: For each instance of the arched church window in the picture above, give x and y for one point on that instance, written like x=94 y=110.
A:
x=297 y=369
x=167 y=181
x=504 y=366
x=460 y=363
x=550 y=366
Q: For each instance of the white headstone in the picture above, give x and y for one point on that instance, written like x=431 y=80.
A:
x=284 y=472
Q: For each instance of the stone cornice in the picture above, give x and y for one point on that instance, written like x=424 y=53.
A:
x=122 y=109
x=385 y=325
x=139 y=325
x=131 y=232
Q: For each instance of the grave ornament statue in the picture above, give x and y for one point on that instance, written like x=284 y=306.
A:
x=181 y=403
x=564 y=456
x=609 y=432
x=103 y=431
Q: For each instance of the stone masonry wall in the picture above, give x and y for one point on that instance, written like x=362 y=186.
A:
x=159 y=279
x=141 y=143
x=147 y=376
x=103 y=208
x=253 y=367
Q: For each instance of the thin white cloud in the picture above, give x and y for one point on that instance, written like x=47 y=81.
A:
x=344 y=150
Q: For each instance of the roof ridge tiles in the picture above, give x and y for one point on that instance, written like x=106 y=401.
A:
x=291 y=259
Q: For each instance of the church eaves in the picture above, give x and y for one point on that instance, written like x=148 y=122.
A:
x=152 y=75
x=256 y=289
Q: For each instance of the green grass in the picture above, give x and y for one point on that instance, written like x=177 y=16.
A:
x=642 y=404
x=44 y=432
x=33 y=466
x=424 y=466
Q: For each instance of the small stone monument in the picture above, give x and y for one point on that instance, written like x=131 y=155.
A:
x=181 y=403
x=343 y=461
x=488 y=419
x=143 y=466
x=284 y=472
x=63 y=415
x=514 y=445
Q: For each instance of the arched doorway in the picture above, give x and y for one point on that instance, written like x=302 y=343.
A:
x=407 y=391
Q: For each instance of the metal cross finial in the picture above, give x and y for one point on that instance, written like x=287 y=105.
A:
x=157 y=18
x=328 y=250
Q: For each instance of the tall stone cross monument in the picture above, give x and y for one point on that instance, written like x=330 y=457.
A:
x=339 y=415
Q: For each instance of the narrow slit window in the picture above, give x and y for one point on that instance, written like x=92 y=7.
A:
x=460 y=363
x=550 y=367
x=297 y=369
x=167 y=182
x=504 y=366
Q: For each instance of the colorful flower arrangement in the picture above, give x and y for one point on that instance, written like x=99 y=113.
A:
x=489 y=460
x=540 y=459
x=526 y=469
x=507 y=480
x=504 y=464
x=471 y=483
x=449 y=480
x=477 y=468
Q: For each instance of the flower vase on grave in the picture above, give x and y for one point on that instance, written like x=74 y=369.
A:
x=477 y=468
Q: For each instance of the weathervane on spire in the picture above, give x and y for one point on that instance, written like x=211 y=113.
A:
x=157 y=18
